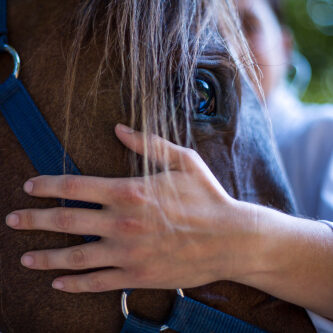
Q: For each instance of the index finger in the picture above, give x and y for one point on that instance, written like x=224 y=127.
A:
x=159 y=150
x=100 y=190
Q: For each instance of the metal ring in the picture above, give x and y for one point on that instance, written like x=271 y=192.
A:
x=124 y=307
x=15 y=56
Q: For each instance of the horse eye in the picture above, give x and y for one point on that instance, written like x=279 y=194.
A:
x=205 y=100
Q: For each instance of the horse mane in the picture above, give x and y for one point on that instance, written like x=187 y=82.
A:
x=156 y=44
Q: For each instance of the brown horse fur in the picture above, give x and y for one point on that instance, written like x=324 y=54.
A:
x=242 y=158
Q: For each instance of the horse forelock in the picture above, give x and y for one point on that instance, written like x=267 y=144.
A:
x=153 y=46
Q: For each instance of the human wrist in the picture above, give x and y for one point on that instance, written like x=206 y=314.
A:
x=291 y=264
x=267 y=238
x=245 y=240
x=266 y=245
x=280 y=246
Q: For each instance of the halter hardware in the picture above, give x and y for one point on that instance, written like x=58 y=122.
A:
x=16 y=58
x=125 y=310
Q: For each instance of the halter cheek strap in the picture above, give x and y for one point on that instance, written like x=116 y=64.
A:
x=47 y=154
x=36 y=137
x=29 y=126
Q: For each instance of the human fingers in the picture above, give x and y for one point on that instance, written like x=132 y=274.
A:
x=161 y=151
x=105 y=191
x=104 y=280
x=77 y=221
x=92 y=255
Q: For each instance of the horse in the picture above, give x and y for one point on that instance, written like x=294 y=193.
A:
x=91 y=64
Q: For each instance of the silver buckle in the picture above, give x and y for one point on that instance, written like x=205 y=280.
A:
x=15 y=56
x=124 y=307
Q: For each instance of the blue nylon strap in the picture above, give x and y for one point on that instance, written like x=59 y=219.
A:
x=190 y=316
x=3 y=21
x=136 y=325
x=36 y=137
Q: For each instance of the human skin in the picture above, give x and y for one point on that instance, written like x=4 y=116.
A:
x=270 y=43
x=178 y=245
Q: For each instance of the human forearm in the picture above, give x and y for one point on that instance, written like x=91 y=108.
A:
x=294 y=260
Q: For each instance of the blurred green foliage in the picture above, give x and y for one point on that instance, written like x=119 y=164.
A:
x=316 y=46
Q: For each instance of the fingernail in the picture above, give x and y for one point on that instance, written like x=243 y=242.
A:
x=125 y=129
x=27 y=260
x=28 y=186
x=56 y=284
x=12 y=220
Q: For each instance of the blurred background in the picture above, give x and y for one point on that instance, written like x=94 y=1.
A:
x=311 y=22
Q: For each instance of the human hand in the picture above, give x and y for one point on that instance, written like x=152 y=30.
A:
x=176 y=229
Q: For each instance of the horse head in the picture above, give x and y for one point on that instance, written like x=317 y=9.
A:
x=161 y=67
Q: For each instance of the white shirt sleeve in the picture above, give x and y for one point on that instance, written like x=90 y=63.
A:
x=328 y=223
x=321 y=324
x=325 y=207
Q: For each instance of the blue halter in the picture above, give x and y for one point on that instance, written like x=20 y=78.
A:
x=46 y=154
